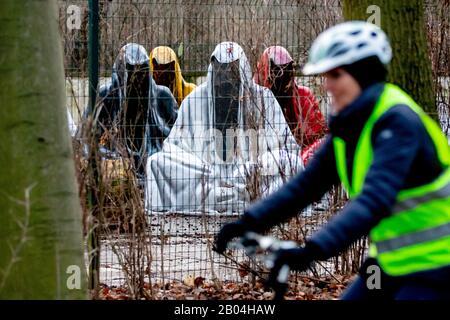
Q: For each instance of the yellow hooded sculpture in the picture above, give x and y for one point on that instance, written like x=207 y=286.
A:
x=167 y=72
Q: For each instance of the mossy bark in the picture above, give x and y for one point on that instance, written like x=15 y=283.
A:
x=404 y=23
x=41 y=244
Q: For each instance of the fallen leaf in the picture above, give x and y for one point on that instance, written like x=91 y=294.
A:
x=267 y=295
x=259 y=285
x=105 y=291
x=189 y=280
x=243 y=269
x=198 y=281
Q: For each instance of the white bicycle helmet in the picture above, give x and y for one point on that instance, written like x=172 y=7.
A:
x=345 y=44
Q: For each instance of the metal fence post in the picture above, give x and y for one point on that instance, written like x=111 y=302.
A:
x=93 y=65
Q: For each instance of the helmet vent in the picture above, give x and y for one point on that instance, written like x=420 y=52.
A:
x=339 y=52
x=337 y=49
x=361 y=45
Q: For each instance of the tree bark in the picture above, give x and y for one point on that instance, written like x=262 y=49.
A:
x=41 y=245
x=404 y=23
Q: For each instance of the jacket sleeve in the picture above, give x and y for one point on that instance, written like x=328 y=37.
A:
x=396 y=138
x=306 y=187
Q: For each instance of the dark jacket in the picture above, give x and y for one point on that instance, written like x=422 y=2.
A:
x=404 y=157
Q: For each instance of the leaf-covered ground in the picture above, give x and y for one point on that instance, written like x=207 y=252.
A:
x=305 y=288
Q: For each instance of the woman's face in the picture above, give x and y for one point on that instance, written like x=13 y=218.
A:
x=342 y=87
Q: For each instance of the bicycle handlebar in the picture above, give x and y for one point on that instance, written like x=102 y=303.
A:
x=257 y=245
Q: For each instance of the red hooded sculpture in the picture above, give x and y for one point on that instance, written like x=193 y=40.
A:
x=300 y=107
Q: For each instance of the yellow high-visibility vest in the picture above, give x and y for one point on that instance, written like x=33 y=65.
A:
x=416 y=235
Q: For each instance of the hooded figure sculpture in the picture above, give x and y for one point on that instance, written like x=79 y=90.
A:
x=133 y=108
x=72 y=124
x=276 y=71
x=229 y=145
x=167 y=72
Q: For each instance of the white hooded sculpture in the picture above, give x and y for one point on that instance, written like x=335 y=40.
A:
x=229 y=145
x=71 y=123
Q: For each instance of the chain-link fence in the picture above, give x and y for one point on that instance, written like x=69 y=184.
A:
x=158 y=180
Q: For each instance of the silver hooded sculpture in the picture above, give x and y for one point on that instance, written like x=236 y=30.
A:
x=133 y=108
x=229 y=145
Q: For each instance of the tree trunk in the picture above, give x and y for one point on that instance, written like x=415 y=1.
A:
x=404 y=23
x=41 y=245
